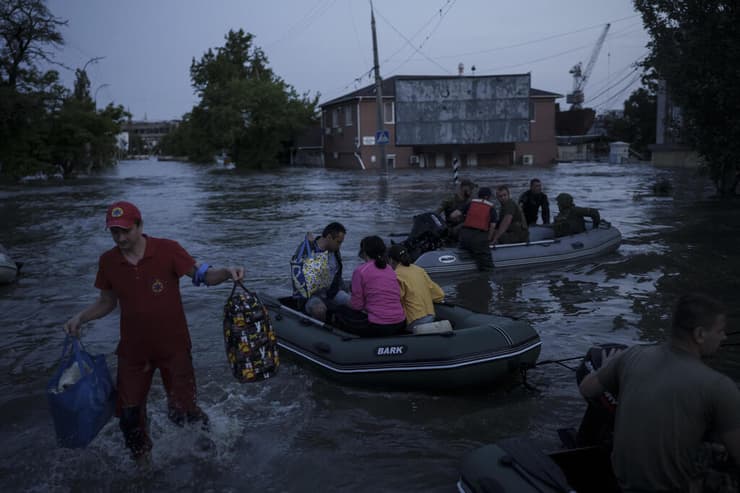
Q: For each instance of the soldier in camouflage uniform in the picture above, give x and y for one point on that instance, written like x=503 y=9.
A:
x=512 y=225
x=569 y=220
x=451 y=209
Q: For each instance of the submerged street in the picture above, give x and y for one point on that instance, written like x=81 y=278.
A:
x=299 y=431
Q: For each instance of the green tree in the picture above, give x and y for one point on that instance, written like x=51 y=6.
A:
x=695 y=47
x=27 y=95
x=42 y=124
x=637 y=126
x=83 y=138
x=245 y=109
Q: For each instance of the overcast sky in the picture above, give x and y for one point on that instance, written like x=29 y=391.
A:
x=325 y=46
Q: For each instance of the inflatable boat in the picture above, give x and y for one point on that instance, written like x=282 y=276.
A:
x=517 y=465
x=542 y=248
x=8 y=268
x=476 y=349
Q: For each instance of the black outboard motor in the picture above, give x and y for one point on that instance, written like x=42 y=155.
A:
x=597 y=424
x=427 y=233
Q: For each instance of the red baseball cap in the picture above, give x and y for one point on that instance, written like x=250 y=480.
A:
x=122 y=215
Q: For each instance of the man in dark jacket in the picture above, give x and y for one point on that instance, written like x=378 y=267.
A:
x=532 y=200
x=569 y=220
x=317 y=272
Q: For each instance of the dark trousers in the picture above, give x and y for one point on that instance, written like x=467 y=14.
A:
x=476 y=242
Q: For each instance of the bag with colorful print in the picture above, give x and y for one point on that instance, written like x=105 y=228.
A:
x=251 y=343
x=309 y=270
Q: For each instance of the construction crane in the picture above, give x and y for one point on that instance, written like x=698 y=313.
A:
x=580 y=77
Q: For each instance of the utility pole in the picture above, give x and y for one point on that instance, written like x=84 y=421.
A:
x=378 y=91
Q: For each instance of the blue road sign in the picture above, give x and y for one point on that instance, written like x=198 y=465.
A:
x=382 y=137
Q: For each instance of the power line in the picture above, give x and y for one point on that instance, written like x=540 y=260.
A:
x=619 y=92
x=540 y=40
x=410 y=43
x=357 y=34
x=429 y=21
x=368 y=73
x=592 y=99
x=439 y=22
x=303 y=23
x=556 y=55
x=601 y=85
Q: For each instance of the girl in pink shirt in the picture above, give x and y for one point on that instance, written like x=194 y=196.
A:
x=375 y=290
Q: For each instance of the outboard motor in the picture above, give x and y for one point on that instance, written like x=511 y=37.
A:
x=597 y=424
x=427 y=233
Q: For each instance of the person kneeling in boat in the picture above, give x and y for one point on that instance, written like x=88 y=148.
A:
x=317 y=272
x=418 y=291
x=512 y=228
x=670 y=402
x=452 y=209
x=375 y=290
x=569 y=220
x=478 y=228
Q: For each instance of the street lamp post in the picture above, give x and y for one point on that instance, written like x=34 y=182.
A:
x=95 y=94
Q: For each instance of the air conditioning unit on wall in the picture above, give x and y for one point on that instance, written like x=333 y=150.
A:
x=528 y=159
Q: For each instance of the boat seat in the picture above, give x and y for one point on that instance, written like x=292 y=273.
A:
x=432 y=327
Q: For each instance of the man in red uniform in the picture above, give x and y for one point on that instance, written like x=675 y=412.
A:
x=143 y=273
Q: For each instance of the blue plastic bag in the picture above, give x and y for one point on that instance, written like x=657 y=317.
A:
x=81 y=399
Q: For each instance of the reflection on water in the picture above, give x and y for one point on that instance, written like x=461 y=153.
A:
x=300 y=432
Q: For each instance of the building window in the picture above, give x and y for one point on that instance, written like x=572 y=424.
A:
x=335 y=118
x=348 y=115
x=388 y=117
x=532 y=114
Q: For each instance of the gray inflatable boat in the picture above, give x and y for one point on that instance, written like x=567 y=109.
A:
x=543 y=248
x=480 y=349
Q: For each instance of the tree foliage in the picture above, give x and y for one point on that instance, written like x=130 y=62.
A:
x=695 y=48
x=43 y=125
x=637 y=125
x=245 y=109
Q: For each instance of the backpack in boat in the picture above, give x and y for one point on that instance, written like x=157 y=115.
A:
x=427 y=233
x=251 y=343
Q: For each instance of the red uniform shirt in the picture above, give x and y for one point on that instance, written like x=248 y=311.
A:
x=153 y=321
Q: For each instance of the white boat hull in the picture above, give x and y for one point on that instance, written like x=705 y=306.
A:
x=8 y=269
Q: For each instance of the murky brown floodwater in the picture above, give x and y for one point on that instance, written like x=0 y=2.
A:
x=299 y=432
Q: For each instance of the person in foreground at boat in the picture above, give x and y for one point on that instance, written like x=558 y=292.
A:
x=670 y=401
x=375 y=290
x=533 y=200
x=143 y=272
x=452 y=208
x=316 y=272
x=569 y=220
x=478 y=227
x=418 y=291
x=512 y=227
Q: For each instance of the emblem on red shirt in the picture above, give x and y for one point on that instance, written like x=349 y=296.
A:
x=116 y=212
x=157 y=286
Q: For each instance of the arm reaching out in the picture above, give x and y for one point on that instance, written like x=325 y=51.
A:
x=106 y=303
x=210 y=276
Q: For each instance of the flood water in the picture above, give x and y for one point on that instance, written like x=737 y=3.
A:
x=299 y=431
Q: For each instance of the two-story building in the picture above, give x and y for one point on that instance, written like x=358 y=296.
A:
x=478 y=120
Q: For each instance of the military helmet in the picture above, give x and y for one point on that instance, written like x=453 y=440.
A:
x=564 y=199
